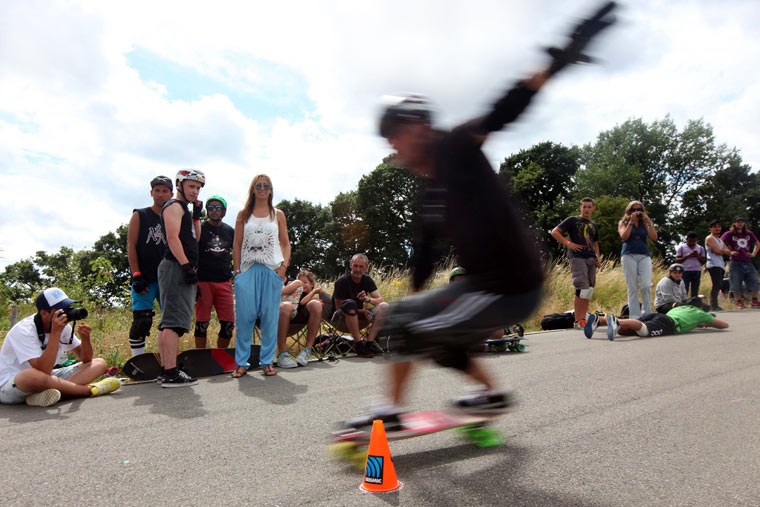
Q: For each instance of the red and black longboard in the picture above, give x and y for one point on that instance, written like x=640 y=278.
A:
x=194 y=362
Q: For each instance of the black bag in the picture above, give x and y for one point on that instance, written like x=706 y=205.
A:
x=558 y=321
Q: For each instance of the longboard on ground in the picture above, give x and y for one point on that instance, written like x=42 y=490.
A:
x=349 y=444
x=194 y=362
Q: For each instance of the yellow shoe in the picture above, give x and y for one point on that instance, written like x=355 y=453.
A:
x=105 y=386
x=44 y=399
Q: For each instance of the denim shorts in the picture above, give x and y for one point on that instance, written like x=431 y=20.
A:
x=742 y=272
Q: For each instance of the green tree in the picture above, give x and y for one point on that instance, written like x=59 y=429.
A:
x=653 y=163
x=346 y=232
x=308 y=229
x=386 y=198
x=20 y=282
x=608 y=212
x=542 y=178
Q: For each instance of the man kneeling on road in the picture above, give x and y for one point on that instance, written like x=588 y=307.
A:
x=679 y=320
x=35 y=348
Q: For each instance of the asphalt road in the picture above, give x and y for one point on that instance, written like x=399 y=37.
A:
x=659 y=421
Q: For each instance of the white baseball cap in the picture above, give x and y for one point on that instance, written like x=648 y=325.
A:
x=53 y=299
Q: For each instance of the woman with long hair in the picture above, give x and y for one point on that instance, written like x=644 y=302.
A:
x=261 y=254
x=635 y=228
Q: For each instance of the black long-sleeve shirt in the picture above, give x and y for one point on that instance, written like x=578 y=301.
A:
x=467 y=203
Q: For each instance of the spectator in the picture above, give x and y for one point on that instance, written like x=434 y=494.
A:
x=716 y=266
x=670 y=290
x=261 y=256
x=583 y=253
x=310 y=309
x=352 y=291
x=215 y=275
x=177 y=273
x=34 y=350
x=692 y=255
x=743 y=246
x=635 y=228
x=145 y=249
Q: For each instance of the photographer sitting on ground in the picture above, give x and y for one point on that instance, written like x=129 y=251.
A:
x=34 y=349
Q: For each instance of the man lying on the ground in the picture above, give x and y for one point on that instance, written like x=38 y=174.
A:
x=34 y=351
x=679 y=320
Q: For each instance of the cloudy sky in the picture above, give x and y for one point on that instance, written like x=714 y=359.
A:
x=96 y=98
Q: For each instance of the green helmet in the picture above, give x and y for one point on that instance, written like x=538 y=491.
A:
x=221 y=200
x=457 y=271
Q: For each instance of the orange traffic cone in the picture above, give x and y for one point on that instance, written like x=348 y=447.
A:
x=379 y=472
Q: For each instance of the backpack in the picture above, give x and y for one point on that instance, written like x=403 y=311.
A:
x=558 y=321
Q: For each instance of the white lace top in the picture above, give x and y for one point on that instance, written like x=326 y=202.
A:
x=261 y=244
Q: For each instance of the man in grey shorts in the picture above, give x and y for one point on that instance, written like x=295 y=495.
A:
x=583 y=252
x=177 y=273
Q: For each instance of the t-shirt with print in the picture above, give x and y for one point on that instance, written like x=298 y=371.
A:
x=22 y=344
x=346 y=288
x=215 y=253
x=582 y=232
x=740 y=243
x=692 y=263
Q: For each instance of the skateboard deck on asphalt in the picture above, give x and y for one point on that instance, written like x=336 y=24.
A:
x=511 y=343
x=350 y=444
x=208 y=362
x=194 y=362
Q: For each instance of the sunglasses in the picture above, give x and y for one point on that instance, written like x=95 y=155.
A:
x=262 y=186
x=634 y=210
x=217 y=207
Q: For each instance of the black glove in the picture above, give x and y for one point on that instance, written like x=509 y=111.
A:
x=580 y=38
x=189 y=274
x=139 y=284
x=197 y=209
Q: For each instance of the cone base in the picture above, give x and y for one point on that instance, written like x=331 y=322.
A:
x=365 y=490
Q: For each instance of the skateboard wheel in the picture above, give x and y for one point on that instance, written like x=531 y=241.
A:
x=520 y=347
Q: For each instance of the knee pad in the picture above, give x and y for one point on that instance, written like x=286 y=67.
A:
x=225 y=329
x=643 y=331
x=349 y=307
x=585 y=293
x=201 y=328
x=141 y=322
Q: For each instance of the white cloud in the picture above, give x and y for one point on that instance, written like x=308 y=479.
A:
x=80 y=130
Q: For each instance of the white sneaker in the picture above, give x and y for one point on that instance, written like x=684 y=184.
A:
x=303 y=356
x=285 y=361
x=44 y=399
x=612 y=327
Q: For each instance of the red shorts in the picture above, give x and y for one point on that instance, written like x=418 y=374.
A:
x=219 y=295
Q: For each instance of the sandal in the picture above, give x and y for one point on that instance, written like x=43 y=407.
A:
x=269 y=371
x=240 y=371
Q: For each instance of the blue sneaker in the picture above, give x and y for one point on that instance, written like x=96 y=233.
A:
x=612 y=326
x=592 y=322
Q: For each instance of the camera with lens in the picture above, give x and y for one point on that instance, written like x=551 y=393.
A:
x=73 y=314
x=639 y=214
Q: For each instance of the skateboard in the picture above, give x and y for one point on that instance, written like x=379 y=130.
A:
x=208 y=362
x=350 y=444
x=511 y=343
x=194 y=362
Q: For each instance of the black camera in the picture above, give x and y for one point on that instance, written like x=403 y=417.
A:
x=73 y=314
x=639 y=214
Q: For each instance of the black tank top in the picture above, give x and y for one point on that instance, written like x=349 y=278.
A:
x=186 y=234
x=150 y=243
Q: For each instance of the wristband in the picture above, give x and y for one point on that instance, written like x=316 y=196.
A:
x=567 y=242
x=196 y=220
x=136 y=273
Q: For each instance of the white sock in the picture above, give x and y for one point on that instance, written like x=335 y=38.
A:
x=138 y=351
